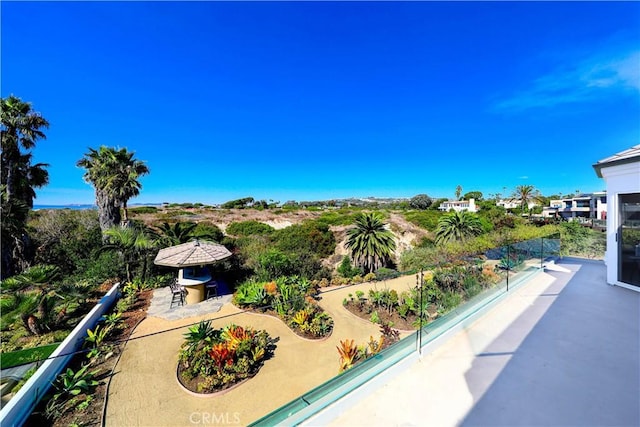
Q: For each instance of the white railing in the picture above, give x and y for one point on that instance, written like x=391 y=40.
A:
x=18 y=409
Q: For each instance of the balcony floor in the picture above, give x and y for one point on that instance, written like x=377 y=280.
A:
x=562 y=350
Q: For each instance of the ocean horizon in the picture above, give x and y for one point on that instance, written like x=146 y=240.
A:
x=81 y=206
x=71 y=206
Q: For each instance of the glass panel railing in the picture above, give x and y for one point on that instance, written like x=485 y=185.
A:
x=446 y=296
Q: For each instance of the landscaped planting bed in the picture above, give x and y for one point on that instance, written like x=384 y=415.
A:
x=291 y=299
x=442 y=291
x=78 y=394
x=213 y=360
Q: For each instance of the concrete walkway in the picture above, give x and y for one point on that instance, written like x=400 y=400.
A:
x=160 y=306
x=145 y=392
x=563 y=350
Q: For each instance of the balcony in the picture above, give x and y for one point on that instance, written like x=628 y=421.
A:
x=561 y=350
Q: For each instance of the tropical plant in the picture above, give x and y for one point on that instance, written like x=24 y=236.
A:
x=68 y=385
x=457 y=226
x=371 y=244
x=458 y=192
x=131 y=243
x=526 y=194
x=348 y=352
x=21 y=128
x=218 y=358
x=114 y=174
x=14 y=239
x=35 y=300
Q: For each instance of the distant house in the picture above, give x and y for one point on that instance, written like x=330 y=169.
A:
x=458 y=205
x=514 y=204
x=587 y=205
x=621 y=173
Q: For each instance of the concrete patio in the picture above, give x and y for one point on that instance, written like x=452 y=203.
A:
x=561 y=350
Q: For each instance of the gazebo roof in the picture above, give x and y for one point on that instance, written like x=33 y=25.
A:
x=191 y=254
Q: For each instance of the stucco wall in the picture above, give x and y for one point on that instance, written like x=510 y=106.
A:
x=620 y=179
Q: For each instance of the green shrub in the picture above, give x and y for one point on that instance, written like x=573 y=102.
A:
x=386 y=274
x=310 y=236
x=249 y=228
x=143 y=210
x=272 y=264
x=427 y=219
x=345 y=269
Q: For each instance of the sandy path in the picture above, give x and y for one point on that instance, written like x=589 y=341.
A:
x=145 y=392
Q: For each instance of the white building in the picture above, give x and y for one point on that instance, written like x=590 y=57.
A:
x=588 y=205
x=621 y=173
x=458 y=205
x=514 y=204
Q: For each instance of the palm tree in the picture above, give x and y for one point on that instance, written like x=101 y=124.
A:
x=182 y=232
x=370 y=242
x=526 y=193
x=15 y=240
x=131 y=243
x=458 y=192
x=457 y=226
x=21 y=127
x=114 y=174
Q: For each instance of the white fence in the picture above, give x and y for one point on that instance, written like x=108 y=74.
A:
x=18 y=409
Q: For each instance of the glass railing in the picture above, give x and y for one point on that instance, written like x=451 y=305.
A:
x=483 y=280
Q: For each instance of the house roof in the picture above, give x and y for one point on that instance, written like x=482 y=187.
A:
x=630 y=155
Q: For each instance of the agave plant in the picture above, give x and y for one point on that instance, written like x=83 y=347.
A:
x=68 y=385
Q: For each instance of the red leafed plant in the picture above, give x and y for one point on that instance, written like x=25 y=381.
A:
x=222 y=354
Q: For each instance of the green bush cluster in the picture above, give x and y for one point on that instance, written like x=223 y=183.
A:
x=347 y=270
x=249 y=228
x=427 y=219
x=294 y=250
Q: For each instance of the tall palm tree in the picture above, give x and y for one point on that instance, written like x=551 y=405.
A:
x=371 y=244
x=525 y=194
x=29 y=176
x=14 y=237
x=458 y=192
x=21 y=128
x=114 y=174
x=457 y=226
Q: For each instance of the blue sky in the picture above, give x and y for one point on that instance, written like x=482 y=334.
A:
x=320 y=100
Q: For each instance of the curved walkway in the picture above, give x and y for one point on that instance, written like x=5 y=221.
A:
x=145 y=392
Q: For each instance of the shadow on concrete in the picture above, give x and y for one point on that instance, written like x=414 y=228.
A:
x=578 y=365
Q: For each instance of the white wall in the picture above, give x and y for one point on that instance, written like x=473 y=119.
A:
x=620 y=179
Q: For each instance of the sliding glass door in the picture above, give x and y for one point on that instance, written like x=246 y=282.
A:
x=629 y=239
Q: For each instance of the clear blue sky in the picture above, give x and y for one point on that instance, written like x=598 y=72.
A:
x=319 y=100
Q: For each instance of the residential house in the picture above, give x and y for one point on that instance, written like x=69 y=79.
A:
x=587 y=205
x=621 y=173
x=458 y=205
x=514 y=204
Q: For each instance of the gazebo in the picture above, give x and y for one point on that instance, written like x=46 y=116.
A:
x=189 y=258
